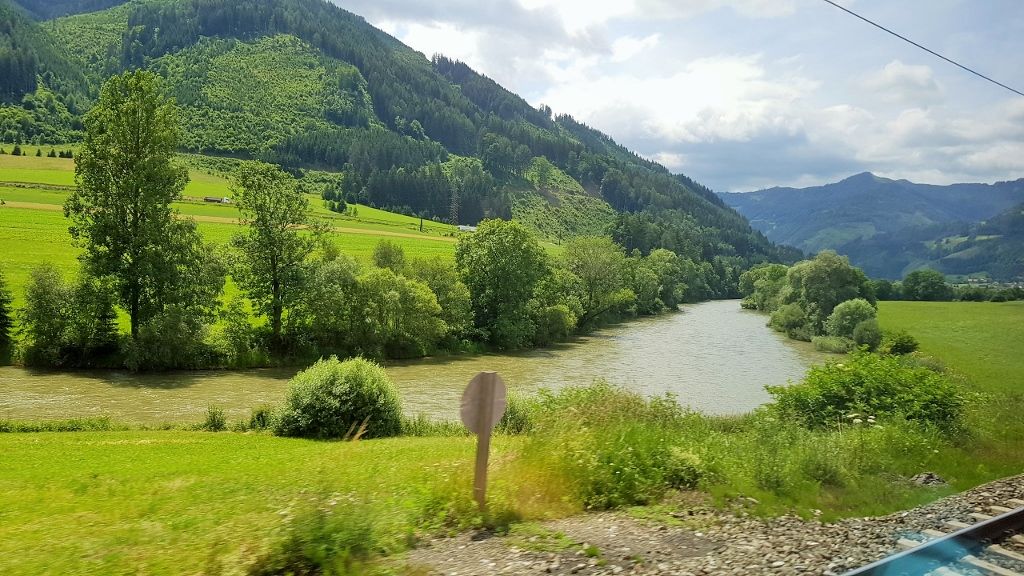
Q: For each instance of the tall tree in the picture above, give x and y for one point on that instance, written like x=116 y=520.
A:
x=926 y=284
x=121 y=210
x=273 y=246
x=600 y=265
x=501 y=264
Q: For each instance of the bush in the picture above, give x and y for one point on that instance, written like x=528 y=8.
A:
x=519 y=416
x=898 y=343
x=332 y=399
x=215 y=420
x=834 y=344
x=337 y=542
x=867 y=333
x=423 y=426
x=611 y=447
x=174 y=339
x=882 y=386
x=847 y=315
x=788 y=317
x=262 y=418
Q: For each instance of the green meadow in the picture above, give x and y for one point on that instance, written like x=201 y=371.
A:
x=981 y=344
x=33 y=228
x=191 y=502
x=982 y=340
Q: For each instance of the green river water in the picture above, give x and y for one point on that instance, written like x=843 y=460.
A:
x=714 y=356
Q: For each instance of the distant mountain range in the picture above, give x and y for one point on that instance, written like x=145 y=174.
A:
x=892 y=227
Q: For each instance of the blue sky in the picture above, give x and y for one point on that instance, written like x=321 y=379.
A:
x=746 y=94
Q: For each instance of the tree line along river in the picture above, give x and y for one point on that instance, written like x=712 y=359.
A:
x=714 y=356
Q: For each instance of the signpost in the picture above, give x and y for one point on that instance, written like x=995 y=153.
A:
x=483 y=404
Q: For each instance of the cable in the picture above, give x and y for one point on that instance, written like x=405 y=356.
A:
x=932 y=52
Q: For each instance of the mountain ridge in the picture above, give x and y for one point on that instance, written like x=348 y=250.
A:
x=889 y=227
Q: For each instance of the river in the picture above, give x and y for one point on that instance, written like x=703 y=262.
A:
x=714 y=356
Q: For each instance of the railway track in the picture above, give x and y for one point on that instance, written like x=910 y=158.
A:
x=993 y=545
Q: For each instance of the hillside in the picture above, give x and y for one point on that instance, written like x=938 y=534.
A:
x=891 y=227
x=307 y=85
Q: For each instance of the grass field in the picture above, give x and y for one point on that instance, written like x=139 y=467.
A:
x=33 y=228
x=982 y=342
x=185 y=502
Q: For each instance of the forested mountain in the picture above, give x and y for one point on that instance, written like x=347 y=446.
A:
x=306 y=84
x=46 y=9
x=891 y=227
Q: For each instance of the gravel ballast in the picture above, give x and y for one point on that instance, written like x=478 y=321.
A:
x=702 y=541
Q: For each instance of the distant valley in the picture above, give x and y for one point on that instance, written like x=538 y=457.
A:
x=892 y=227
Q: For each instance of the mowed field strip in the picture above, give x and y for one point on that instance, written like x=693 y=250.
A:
x=229 y=220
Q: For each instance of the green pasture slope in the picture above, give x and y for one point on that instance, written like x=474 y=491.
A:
x=33 y=228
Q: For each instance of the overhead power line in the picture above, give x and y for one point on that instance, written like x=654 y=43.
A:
x=932 y=52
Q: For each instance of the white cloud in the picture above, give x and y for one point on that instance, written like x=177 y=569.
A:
x=716 y=98
x=628 y=47
x=904 y=83
x=579 y=15
x=439 y=38
x=691 y=8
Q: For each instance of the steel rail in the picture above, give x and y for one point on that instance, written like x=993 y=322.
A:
x=946 y=550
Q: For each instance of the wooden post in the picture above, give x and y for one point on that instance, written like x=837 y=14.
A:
x=485 y=406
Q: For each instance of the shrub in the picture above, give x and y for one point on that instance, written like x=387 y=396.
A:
x=788 y=317
x=173 y=339
x=609 y=446
x=684 y=469
x=215 y=420
x=867 y=333
x=332 y=399
x=834 y=344
x=847 y=315
x=881 y=386
x=519 y=416
x=898 y=343
x=802 y=333
x=422 y=426
x=262 y=418
x=337 y=542
x=387 y=254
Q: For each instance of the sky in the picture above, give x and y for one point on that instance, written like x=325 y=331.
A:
x=748 y=94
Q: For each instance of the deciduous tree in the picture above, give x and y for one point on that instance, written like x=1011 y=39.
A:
x=121 y=210
x=501 y=264
x=273 y=246
x=926 y=284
